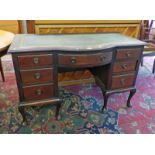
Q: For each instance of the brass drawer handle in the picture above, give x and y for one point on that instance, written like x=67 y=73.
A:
x=128 y=54
x=39 y=92
x=124 y=66
x=102 y=58
x=73 y=60
x=122 y=81
x=36 y=60
x=37 y=75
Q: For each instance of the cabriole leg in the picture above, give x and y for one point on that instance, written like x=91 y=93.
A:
x=1 y=70
x=106 y=96
x=153 y=70
x=132 y=92
x=57 y=110
x=22 y=111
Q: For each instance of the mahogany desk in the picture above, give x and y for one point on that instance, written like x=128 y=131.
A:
x=112 y=58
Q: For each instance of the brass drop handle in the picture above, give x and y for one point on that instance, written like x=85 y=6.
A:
x=37 y=75
x=73 y=60
x=128 y=54
x=39 y=92
x=35 y=60
x=124 y=66
x=122 y=82
x=102 y=58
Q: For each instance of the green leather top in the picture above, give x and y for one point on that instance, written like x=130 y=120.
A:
x=70 y=42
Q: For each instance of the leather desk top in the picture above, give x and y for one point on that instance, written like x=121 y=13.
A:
x=71 y=42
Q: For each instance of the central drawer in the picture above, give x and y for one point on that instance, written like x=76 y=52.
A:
x=72 y=60
x=38 y=92
x=37 y=76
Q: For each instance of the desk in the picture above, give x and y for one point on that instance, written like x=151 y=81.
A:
x=112 y=58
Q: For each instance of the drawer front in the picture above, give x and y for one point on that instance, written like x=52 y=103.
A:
x=122 y=81
x=37 y=76
x=38 y=92
x=124 y=66
x=85 y=60
x=35 y=60
x=128 y=53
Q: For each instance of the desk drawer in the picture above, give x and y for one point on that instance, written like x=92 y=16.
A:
x=38 y=92
x=128 y=53
x=124 y=66
x=35 y=60
x=122 y=81
x=85 y=59
x=37 y=76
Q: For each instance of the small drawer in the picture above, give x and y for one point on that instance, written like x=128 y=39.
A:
x=84 y=59
x=128 y=53
x=124 y=66
x=37 y=76
x=122 y=81
x=26 y=61
x=38 y=92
